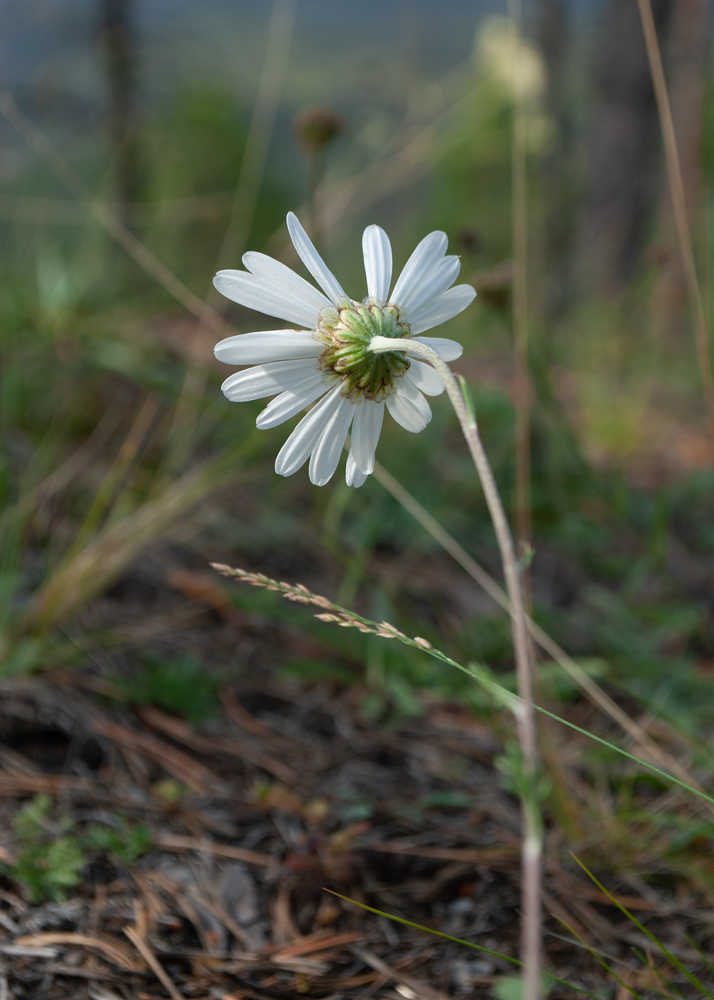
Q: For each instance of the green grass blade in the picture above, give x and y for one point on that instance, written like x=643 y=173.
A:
x=648 y=934
x=630 y=756
x=646 y=962
x=598 y=959
x=482 y=675
x=466 y=944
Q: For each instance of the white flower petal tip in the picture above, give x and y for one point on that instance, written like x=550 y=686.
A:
x=328 y=448
x=330 y=364
x=353 y=475
x=443 y=308
x=377 y=252
x=366 y=429
x=313 y=261
x=409 y=408
x=264 y=295
x=419 y=268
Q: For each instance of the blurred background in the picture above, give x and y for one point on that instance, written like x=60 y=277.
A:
x=147 y=143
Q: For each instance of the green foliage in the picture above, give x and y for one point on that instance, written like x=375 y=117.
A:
x=353 y=807
x=48 y=864
x=182 y=686
x=548 y=978
x=661 y=947
x=30 y=822
x=47 y=868
x=511 y=987
x=199 y=143
x=516 y=777
x=126 y=841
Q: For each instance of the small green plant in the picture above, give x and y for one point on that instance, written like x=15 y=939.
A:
x=46 y=864
x=182 y=686
x=511 y=987
x=125 y=840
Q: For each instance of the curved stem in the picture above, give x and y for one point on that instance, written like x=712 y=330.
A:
x=525 y=713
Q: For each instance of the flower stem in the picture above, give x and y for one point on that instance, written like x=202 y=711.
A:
x=524 y=713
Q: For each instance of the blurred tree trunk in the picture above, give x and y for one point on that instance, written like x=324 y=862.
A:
x=556 y=186
x=686 y=67
x=623 y=150
x=117 y=41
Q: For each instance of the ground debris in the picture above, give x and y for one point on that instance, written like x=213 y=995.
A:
x=251 y=823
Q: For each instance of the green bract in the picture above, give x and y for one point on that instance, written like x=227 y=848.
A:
x=348 y=329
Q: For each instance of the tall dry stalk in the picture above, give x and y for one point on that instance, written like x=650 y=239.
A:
x=521 y=381
x=679 y=206
x=531 y=943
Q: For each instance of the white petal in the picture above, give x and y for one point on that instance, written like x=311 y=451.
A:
x=270 y=345
x=419 y=267
x=377 y=252
x=408 y=407
x=365 y=433
x=443 y=308
x=448 y=350
x=282 y=277
x=265 y=296
x=425 y=377
x=436 y=284
x=353 y=475
x=298 y=446
x=290 y=402
x=326 y=454
x=313 y=261
x=267 y=380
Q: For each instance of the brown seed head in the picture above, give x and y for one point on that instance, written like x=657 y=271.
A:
x=316 y=127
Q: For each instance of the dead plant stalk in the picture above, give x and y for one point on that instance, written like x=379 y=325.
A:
x=676 y=187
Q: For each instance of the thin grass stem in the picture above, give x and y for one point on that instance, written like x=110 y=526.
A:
x=601 y=961
x=671 y=958
x=501 y=696
x=679 y=206
x=466 y=944
x=521 y=380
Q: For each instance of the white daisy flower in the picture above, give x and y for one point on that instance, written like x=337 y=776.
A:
x=330 y=359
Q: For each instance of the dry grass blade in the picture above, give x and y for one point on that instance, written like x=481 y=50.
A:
x=415 y=986
x=676 y=186
x=33 y=498
x=114 y=547
x=170 y=842
x=186 y=736
x=521 y=381
x=153 y=962
x=115 y=952
x=174 y=761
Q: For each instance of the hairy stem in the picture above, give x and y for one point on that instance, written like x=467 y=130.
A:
x=525 y=712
